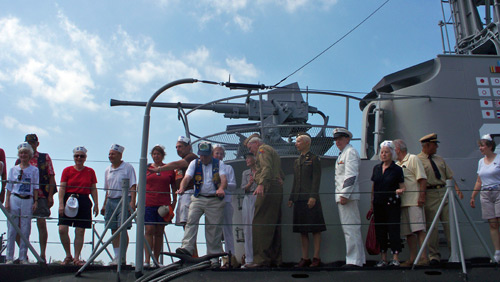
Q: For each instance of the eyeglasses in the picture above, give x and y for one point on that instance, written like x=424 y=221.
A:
x=20 y=176
x=79 y=156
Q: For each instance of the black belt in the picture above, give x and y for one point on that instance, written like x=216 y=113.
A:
x=22 y=197
x=208 y=196
x=435 y=186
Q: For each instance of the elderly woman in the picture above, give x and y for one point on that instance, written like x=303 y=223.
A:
x=158 y=191
x=388 y=185
x=21 y=201
x=488 y=184
x=307 y=212
x=77 y=181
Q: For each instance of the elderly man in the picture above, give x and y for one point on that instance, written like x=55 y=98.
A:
x=113 y=177
x=46 y=192
x=266 y=226
x=347 y=197
x=248 y=185
x=437 y=172
x=412 y=201
x=210 y=181
x=227 y=228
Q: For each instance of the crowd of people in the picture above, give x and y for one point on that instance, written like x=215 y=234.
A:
x=407 y=190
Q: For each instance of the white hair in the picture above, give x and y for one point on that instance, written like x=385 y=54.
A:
x=390 y=145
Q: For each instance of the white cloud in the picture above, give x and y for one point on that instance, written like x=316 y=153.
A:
x=27 y=104
x=241 y=68
x=87 y=42
x=244 y=23
x=34 y=56
x=12 y=123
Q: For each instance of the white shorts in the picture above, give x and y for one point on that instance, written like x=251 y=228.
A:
x=182 y=210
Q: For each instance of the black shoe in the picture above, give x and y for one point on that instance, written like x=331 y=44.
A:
x=434 y=262
x=182 y=251
x=350 y=266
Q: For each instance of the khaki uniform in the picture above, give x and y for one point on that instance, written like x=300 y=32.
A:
x=266 y=226
x=307 y=176
x=436 y=190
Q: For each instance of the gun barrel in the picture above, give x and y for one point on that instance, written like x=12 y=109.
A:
x=219 y=108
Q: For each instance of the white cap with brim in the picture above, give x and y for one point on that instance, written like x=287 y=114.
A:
x=341 y=132
x=71 y=209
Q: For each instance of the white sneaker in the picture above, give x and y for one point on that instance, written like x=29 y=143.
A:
x=9 y=261
x=381 y=263
x=394 y=263
x=497 y=258
x=24 y=262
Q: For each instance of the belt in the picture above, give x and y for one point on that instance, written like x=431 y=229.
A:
x=491 y=188
x=25 y=197
x=435 y=186
x=208 y=196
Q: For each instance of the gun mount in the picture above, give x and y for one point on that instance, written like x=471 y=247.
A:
x=280 y=117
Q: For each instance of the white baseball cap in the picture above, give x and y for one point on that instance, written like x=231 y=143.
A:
x=71 y=209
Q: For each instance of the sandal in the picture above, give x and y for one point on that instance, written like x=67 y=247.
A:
x=67 y=261
x=78 y=262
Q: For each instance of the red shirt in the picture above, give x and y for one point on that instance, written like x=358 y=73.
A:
x=158 y=188
x=78 y=182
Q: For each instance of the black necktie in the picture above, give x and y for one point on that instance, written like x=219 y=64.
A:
x=435 y=168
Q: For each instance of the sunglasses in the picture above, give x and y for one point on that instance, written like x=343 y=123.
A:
x=79 y=156
x=20 y=176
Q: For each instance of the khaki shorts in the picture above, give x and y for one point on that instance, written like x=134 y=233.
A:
x=42 y=209
x=412 y=220
x=490 y=203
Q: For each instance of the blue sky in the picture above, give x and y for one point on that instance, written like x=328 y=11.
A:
x=62 y=61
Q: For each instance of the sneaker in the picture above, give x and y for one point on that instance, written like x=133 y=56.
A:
x=381 y=263
x=114 y=262
x=9 y=261
x=394 y=263
x=24 y=262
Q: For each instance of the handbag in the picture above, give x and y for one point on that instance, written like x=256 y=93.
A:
x=372 y=246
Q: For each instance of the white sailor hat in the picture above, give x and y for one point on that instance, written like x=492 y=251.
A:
x=80 y=149
x=486 y=137
x=184 y=139
x=25 y=146
x=341 y=132
x=118 y=148
x=71 y=209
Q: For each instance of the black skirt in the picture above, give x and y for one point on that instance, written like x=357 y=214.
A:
x=306 y=220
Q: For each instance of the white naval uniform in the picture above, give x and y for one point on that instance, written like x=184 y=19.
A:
x=347 y=186
x=248 y=211
x=227 y=229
